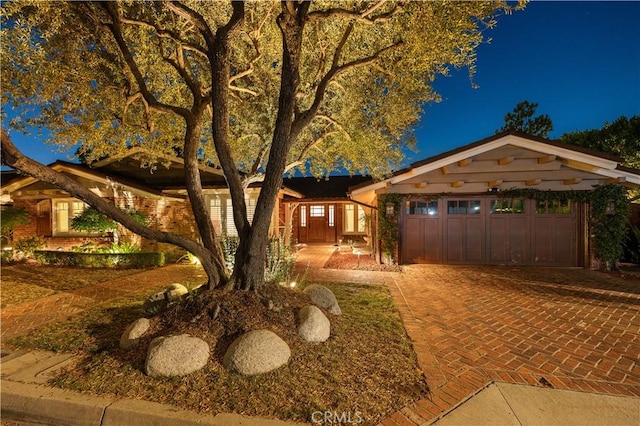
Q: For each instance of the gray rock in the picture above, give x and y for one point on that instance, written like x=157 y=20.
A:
x=176 y=356
x=133 y=333
x=323 y=297
x=161 y=299
x=256 y=352
x=175 y=291
x=314 y=324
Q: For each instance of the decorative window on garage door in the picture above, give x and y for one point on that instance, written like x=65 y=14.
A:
x=463 y=207
x=422 y=207
x=553 y=207
x=507 y=206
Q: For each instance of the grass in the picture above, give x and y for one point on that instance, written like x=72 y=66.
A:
x=23 y=283
x=367 y=365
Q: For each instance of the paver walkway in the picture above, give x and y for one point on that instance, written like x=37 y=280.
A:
x=18 y=320
x=563 y=328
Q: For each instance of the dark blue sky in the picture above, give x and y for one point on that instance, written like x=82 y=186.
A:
x=580 y=61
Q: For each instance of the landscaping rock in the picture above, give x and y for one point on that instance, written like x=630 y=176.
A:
x=323 y=297
x=314 y=324
x=176 y=356
x=161 y=299
x=257 y=352
x=133 y=333
x=175 y=291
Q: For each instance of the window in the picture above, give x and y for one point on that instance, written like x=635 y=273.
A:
x=553 y=207
x=463 y=207
x=303 y=216
x=507 y=206
x=230 y=226
x=64 y=212
x=332 y=216
x=355 y=219
x=316 y=211
x=215 y=207
x=422 y=207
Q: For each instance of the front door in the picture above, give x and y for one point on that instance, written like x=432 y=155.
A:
x=317 y=223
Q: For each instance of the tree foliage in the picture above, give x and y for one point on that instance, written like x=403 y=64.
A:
x=621 y=138
x=522 y=119
x=257 y=89
x=9 y=219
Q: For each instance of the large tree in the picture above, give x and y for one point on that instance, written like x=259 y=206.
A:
x=621 y=138
x=257 y=89
x=522 y=119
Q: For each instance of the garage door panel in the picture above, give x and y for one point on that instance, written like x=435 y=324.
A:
x=474 y=239
x=432 y=240
x=564 y=242
x=412 y=240
x=455 y=239
x=498 y=239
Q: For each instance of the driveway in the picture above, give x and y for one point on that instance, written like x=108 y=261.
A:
x=564 y=328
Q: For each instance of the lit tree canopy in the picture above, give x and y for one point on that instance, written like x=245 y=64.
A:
x=256 y=88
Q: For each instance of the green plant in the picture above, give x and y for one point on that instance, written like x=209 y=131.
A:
x=280 y=261
x=91 y=220
x=388 y=225
x=100 y=260
x=9 y=219
x=28 y=245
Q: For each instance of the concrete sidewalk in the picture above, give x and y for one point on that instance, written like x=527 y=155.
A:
x=509 y=404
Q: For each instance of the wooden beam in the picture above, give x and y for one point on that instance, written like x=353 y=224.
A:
x=546 y=159
x=615 y=180
x=444 y=170
x=532 y=182
x=573 y=181
x=421 y=185
x=388 y=184
x=579 y=165
x=505 y=160
x=493 y=183
x=465 y=162
x=457 y=184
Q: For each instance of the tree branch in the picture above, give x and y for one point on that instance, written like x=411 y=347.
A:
x=11 y=156
x=317 y=15
x=304 y=118
x=116 y=30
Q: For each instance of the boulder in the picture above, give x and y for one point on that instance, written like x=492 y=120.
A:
x=323 y=297
x=256 y=352
x=175 y=291
x=133 y=333
x=161 y=299
x=176 y=356
x=314 y=324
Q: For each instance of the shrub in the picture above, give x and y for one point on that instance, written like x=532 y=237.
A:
x=9 y=219
x=28 y=245
x=100 y=260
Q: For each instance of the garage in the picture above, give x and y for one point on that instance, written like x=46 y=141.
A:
x=455 y=208
x=490 y=230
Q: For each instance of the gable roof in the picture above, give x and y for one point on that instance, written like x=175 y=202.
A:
x=506 y=160
x=83 y=171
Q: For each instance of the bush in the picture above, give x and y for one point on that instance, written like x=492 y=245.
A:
x=9 y=219
x=100 y=260
x=28 y=245
x=114 y=248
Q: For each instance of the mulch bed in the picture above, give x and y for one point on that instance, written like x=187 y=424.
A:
x=345 y=259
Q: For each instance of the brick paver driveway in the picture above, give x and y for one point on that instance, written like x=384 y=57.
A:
x=565 y=328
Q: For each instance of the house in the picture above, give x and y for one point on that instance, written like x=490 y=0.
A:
x=130 y=183
x=452 y=211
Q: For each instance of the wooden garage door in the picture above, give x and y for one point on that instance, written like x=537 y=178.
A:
x=487 y=230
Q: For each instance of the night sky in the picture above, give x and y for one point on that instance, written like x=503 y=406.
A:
x=580 y=61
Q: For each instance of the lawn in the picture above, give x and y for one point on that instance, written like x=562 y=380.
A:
x=23 y=283
x=368 y=364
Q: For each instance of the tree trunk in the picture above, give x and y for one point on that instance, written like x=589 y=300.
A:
x=248 y=273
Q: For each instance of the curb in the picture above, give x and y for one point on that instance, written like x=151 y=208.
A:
x=30 y=403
